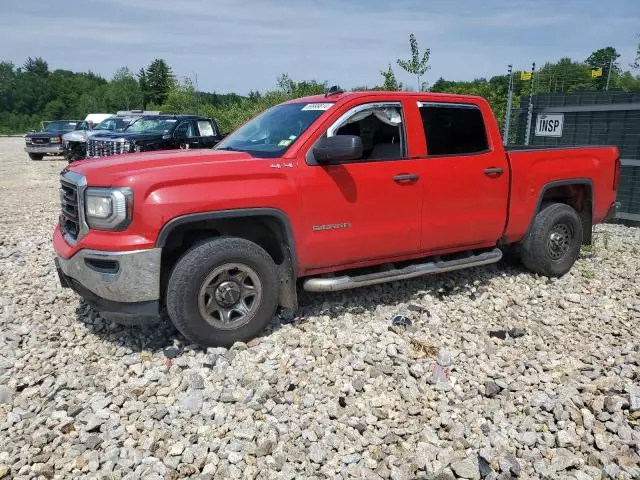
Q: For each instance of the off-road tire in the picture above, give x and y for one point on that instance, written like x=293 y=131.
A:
x=192 y=270
x=539 y=252
x=36 y=156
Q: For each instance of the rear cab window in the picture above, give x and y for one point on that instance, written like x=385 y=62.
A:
x=453 y=129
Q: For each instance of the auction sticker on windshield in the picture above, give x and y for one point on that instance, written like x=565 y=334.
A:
x=317 y=106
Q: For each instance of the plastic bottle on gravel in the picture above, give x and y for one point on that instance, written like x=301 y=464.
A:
x=441 y=371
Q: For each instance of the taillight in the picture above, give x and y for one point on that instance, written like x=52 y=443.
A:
x=616 y=175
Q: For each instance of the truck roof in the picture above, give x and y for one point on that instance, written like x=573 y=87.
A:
x=177 y=116
x=336 y=97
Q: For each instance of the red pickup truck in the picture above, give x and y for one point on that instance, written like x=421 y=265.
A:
x=329 y=192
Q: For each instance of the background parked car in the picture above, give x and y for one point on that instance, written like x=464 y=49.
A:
x=75 y=142
x=49 y=140
x=157 y=132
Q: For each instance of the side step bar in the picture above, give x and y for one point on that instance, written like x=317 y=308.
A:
x=334 y=284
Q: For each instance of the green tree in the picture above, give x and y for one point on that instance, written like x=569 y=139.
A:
x=604 y=58
x=144 y=88
x=182 y=98
x=295 y=89
x=627 y=82
x=7 y=79
x=636 y=63
x=37 y=66
x=390 y=82
x=158 y=80
x=417 y=64
x=124 y=92
x=564 y=76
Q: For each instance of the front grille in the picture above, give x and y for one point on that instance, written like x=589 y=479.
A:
x=40 y=140
x=70 y=212
x=105 y=148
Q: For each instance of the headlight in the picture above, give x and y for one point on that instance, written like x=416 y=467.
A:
x=108 y=208
x=27 y=140
x=55 y=139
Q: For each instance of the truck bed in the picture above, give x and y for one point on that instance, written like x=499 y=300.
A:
x=537 y=169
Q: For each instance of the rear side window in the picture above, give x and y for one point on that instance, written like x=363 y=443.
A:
x=453 y=129
x=206 y=128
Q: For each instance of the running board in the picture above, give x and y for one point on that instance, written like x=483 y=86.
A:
x=334 y=284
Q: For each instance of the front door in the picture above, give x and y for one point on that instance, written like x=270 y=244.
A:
x=364 y=209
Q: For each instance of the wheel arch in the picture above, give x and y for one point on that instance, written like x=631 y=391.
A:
x=578 y=193
x=268 y=227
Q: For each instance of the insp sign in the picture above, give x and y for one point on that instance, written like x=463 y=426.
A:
x=549 y=125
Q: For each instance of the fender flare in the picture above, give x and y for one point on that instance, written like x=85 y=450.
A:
x=274 y=213
x=559 y=183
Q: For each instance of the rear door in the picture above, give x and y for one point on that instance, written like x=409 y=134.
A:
x=207 y=134
x=466 y=180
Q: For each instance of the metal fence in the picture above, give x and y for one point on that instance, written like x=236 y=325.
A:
x=588 y=118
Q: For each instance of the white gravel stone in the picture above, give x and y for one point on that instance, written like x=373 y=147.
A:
x=331 y=394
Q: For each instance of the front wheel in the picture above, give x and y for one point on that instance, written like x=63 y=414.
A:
x=554 y=241
x=36 y=156
x=222 y=291
x=77 y=152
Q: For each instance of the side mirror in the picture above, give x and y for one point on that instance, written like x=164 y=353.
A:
x=340 y=148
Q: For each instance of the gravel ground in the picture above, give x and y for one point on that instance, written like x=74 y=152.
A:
x=334 y=393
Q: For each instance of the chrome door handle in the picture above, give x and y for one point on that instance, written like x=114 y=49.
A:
x=406 y=177
x=493 y=171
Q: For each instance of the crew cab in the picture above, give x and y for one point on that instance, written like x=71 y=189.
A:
x=156 y=132
x=48 y=141
x=328 y=193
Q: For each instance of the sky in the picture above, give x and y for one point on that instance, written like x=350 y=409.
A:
x=243 y=45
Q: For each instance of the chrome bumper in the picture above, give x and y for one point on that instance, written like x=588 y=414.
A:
x=124 y=277
x=56 y=149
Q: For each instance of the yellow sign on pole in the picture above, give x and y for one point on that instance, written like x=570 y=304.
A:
x=597 y=72
x=525 y=75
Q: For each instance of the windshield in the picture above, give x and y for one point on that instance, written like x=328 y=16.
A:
x=152 y=125
x=269 y=134
x=60 y=126
x=113 y=124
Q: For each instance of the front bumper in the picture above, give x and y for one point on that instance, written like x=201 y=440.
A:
x=118 y=282
x=53 y=149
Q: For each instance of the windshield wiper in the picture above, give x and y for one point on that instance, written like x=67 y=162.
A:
x=229 y=149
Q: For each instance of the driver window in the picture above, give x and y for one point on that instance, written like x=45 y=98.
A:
x=185 y=130
x=381 y=130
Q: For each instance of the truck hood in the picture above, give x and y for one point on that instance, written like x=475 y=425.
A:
x=129 y=136
x=82 y=135
x=47 y=133
x=122 y=170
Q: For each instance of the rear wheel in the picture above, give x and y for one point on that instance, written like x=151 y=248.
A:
x=222 y=291
x=554 y=241
x=36 y=156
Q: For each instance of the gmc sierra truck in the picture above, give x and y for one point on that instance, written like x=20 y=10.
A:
x=328 y=192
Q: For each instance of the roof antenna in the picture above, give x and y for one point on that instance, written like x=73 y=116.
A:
x=334 y=90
